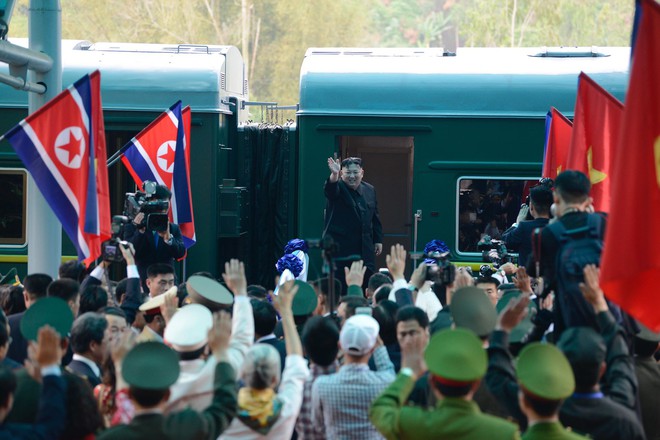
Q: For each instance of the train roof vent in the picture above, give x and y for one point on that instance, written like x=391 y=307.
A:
x=223 y=81
x=569 y=52
x=83 y=45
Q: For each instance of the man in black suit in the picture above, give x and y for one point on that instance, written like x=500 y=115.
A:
x=35 y=287
x=519 y=236
x=89 y=343
x=351 y=214
x=154 y=246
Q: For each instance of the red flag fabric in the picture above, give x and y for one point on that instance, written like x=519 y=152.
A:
x=63 y=147
x=596 y=127
x=631 y=258
x=159 y=153
x=559 y=141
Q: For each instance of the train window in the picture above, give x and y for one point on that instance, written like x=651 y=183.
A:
x=488 y=206
x=13 y=191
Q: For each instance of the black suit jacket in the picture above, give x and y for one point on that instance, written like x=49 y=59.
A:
x=83 y=370
x=520 y=238
x=147 y=252
x=351 y=218
x=18 y=347
x=132 y=299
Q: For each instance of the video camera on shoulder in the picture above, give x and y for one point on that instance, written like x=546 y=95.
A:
x=110 y=250
x=152 y=202
x=544 y=181
x=494 y=251
x=442 y=271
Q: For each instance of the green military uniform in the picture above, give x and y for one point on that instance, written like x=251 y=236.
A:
x=647 y=370
x=153 y=366
x=455 y=356
x=545 y=374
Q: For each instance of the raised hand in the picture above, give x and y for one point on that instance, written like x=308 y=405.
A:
x=355 y=275
x=283 y=301
x=591 y=290
x=396 y=261
x=234 y=277
x=522 y=281
x=513 y=313
x=334 y=165
x=48 y=350
x=220 y=334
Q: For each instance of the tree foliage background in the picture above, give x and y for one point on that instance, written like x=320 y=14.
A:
x=274 y=35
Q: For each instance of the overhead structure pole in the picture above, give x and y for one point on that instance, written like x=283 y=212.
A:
x=44 y=231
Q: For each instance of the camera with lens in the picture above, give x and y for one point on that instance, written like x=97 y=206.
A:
x=441 y=271
x=110 y=250
x=494 y=251
x=486 y=270
x=544 y=181
x=150 y=204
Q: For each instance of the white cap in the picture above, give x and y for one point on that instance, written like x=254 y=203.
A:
x=189 y=327
x=152 y=306
x=359 y=334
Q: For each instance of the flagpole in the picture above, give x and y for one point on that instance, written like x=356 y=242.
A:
x=44 y=231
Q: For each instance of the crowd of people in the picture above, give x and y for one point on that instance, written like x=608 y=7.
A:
x=464 y=358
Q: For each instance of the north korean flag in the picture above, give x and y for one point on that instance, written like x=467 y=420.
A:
x=160 y=153
x=62 y=145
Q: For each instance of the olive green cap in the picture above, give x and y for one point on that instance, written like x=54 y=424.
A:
x=209 y=289
x=582 y=346
x=544 y=372
x=9 y=277
x=305 y=301
x=457 y=355
x=151 y=366
x=526 y=325
x=471 y=308
x=51 y=311
x=646 y=334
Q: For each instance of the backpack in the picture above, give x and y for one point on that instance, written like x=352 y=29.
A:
x=577 y=248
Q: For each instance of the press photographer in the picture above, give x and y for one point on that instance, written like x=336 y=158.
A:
x=155 y=239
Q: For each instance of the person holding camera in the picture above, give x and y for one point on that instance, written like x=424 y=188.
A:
x=519 y=236
x=154 y=243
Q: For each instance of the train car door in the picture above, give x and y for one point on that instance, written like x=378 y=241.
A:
x=388 y=166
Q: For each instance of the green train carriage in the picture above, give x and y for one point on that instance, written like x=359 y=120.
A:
x=140 y=81
x=430 y=126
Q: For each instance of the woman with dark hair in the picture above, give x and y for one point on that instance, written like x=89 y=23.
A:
x=11 y=299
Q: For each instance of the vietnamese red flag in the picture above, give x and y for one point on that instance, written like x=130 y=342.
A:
x=559 y=140
x=595 y=133
x=631 y=258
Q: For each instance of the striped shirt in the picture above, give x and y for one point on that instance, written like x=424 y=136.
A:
x=305 y=427
x=341 y=401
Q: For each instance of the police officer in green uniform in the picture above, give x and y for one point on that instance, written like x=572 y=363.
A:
x=545 y=379
x=457 y=362
x=151 y=368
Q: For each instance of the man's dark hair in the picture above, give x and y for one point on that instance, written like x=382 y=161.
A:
x=541 y=198
x=352 y=303
x=644 y=348
x=159 y=269
x=36 y=285
x=87 y=328
x=385 y=314
x=573 y=186
x=409 y=313
x=257 y=291
x=65 y=289
x=586 y=376
x=82 y=416
x=265 y=317
x=320 y=338
x=112 y=310
x=351 y=161
x=92 y=299
x=147 y=398
x=120 y=290
x=383 y=293
x=72 y=269
x=7 y=385
x=488 y=280
x=542 y=407
x=11 y=299
x=378 y=279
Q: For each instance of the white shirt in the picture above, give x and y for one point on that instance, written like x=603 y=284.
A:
x=426 y=298
x=90 y=363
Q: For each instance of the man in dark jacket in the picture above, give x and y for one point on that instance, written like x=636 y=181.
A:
x=351 y=214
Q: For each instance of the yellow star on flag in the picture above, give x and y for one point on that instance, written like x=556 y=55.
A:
x=595 y=176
